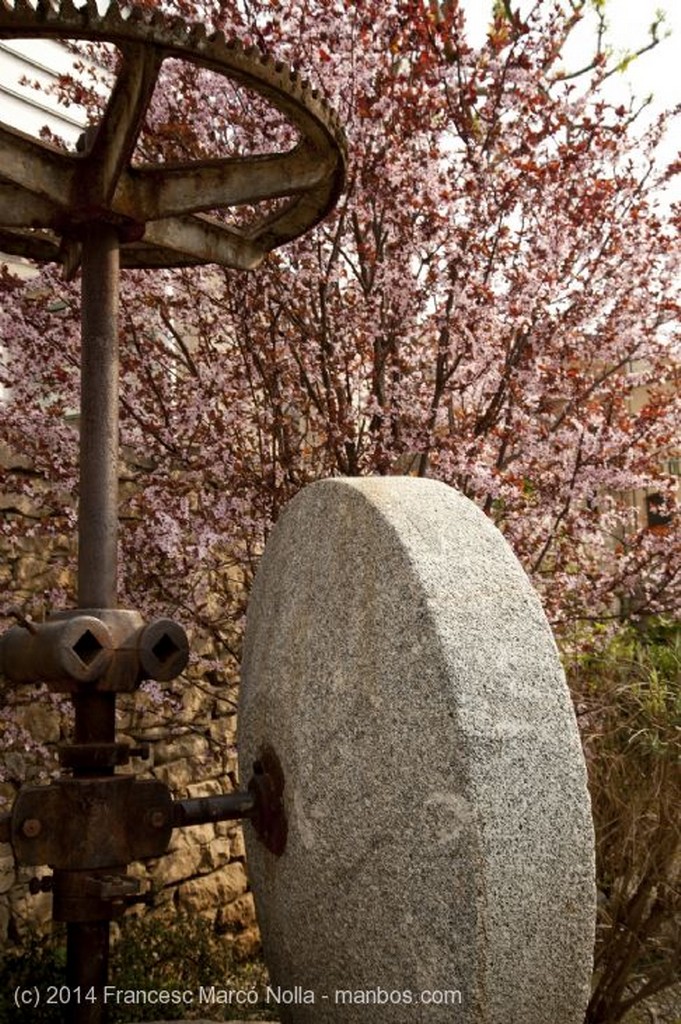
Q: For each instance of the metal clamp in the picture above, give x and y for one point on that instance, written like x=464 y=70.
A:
x=102 y=649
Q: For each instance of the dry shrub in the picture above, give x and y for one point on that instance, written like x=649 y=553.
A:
x=629 y=706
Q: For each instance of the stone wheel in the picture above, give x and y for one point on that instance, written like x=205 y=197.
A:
x=439 y=864
x=160 y=210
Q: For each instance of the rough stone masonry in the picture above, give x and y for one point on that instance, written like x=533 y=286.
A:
x=440 y=857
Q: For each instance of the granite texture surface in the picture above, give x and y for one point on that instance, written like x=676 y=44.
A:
x=440 y=861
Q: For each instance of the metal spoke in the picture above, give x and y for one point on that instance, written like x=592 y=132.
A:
x=203 y=240
x=187 y=188
x=116 y=137
x=37 y=167
x=42 y=246
x=22 y=209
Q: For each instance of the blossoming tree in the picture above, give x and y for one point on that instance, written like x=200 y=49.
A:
x=492 y=303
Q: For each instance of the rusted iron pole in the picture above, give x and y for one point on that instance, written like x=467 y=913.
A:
x=87 y=969
x=98 y=511
x=87 y=957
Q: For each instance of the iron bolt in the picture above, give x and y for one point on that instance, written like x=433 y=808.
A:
x=157 y=819
x=31 y=828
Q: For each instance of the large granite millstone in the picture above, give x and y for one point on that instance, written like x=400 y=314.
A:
x=440 y=864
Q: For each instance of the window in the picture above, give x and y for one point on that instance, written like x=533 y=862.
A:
x=656 y=510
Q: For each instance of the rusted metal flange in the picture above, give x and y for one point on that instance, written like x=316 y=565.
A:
x=269 y=815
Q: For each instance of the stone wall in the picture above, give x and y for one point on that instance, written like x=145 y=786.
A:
x=192 y=751
x=191 y=735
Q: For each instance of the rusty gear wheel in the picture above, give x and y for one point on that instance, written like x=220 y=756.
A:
x=160 y=210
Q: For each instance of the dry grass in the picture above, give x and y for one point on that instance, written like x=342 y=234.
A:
x=629 y=706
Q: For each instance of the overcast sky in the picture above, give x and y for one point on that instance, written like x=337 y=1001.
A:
x=655 y=72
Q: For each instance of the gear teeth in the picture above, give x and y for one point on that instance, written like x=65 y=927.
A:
x=177 y=24
x=146 y=26
x=198 y=35
x=137 y=15
x=113 y=16
x=67 y=10
x=112 y=12
x=44 y=9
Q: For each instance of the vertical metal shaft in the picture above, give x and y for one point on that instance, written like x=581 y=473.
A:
x=87 y=963
x=98 y=510
x=87 y=955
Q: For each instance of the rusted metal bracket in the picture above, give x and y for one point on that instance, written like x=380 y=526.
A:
x=102 y=822
x=81 y=824
x=88 y=829
x=91 y=823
